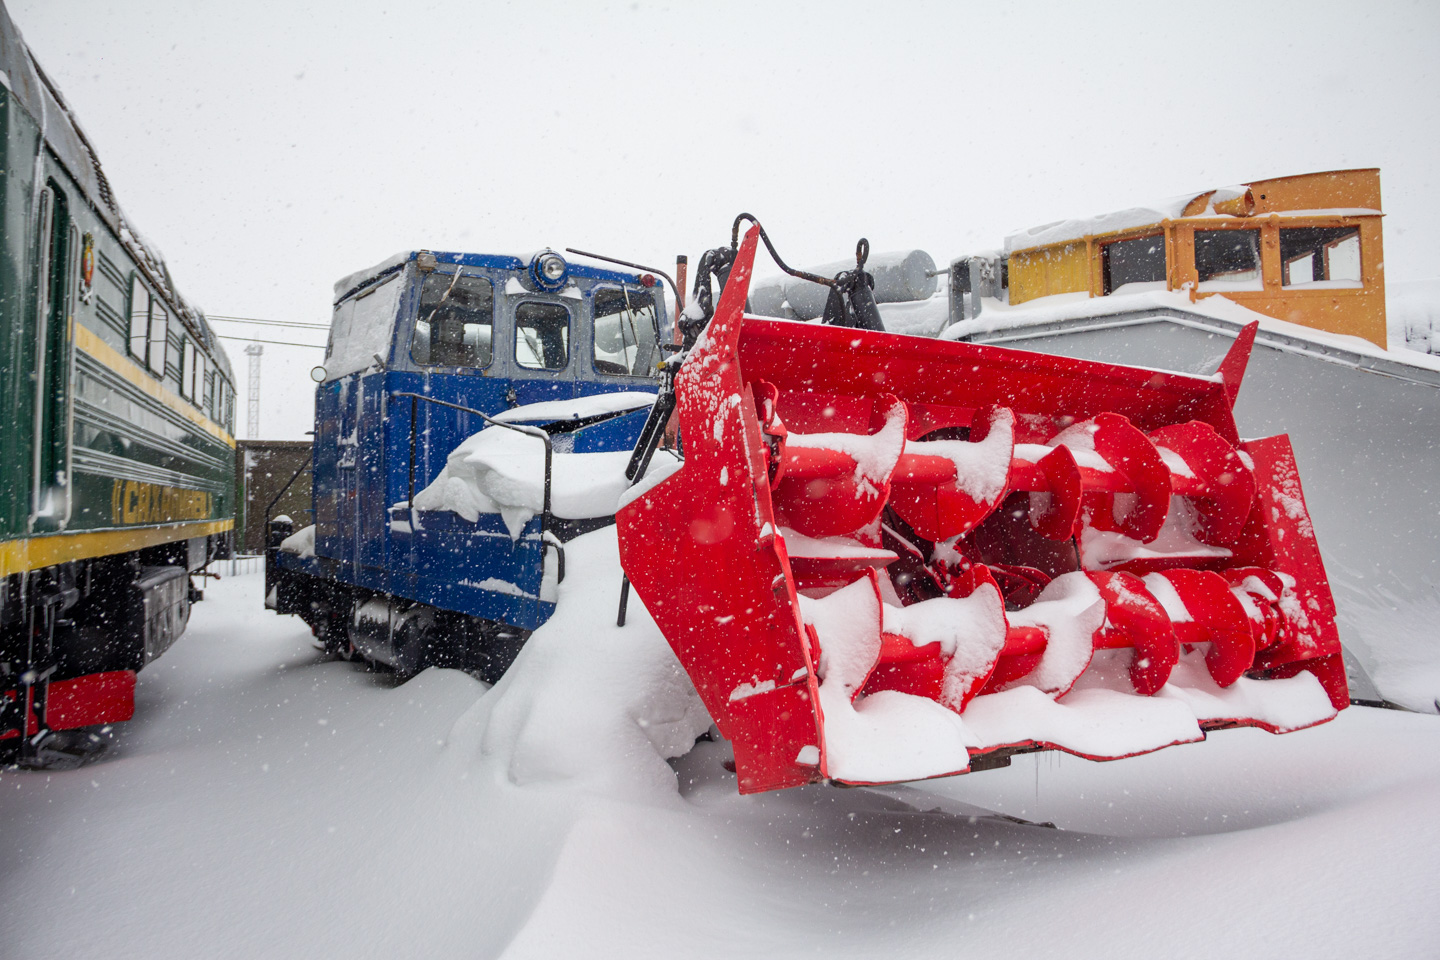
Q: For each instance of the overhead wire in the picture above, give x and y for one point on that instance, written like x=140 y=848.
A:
x=294 y=324
x=278 y=343
x=270 y=323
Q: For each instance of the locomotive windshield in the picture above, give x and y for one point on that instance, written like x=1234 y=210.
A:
x=542 y=335
x=456 y=317
x=626 y=332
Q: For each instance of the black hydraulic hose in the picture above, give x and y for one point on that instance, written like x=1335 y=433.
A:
x=650 y=435
x=803 y=275
x=645 y=447
x=624 y=600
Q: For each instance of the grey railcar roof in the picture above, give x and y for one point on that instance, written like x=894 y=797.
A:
x=38 y=96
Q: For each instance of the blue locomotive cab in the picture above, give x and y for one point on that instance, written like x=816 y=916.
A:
x=497 y=328
x=427 y=350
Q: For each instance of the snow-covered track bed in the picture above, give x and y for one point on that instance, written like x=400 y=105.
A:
x=286 y=805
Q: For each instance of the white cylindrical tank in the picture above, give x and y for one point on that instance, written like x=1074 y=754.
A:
x=900 y=276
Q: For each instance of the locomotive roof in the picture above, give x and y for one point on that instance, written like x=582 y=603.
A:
x=28 y=85
x=499 y=261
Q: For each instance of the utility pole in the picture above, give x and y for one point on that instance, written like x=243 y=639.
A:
x=253 y=351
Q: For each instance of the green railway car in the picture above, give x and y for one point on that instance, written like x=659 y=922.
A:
x=117 y=466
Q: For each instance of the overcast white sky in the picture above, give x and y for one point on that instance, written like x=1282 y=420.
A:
x=270 y=148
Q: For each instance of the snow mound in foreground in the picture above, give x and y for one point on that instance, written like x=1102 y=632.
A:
x=605 y=705
x=586 y=700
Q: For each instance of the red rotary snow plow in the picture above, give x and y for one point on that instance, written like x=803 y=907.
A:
x=885 y=558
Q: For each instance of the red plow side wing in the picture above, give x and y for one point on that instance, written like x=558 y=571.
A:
x=884 y=555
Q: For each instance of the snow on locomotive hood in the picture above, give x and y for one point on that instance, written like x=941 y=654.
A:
x=577 y=408
x=503 y=471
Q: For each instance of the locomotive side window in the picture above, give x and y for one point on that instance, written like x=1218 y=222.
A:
x=139 y=317
x=361 y=329
x=1228 y=258
x=159 y=338
x=187 y=369
x=1320 y=255
x=542 y=335
x=46 y=265
x=1141 y=260
x=454 y=322
x=626 y=332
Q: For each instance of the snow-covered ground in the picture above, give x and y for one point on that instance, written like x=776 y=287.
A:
x=266 y=802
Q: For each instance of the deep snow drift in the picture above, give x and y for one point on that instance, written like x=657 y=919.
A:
x=1412 y=311
x=266 y=802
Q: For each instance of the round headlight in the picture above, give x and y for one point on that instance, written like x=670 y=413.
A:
x=548 y=270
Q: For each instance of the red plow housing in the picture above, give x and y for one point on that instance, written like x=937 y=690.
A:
x=886 y=558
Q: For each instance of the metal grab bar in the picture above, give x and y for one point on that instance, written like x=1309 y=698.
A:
x=536 y=432
x=271 y=505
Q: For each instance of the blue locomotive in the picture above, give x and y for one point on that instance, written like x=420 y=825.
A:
x=425 y=350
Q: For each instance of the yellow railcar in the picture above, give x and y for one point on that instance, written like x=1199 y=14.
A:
x=1306 y=249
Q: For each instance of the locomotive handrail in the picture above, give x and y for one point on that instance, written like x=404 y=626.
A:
x=637 y=266
x=530 y=431
x=296 y=476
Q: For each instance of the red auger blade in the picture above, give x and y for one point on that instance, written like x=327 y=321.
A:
x=884 y=555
